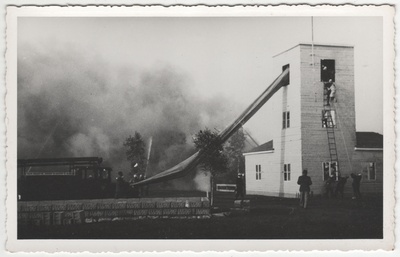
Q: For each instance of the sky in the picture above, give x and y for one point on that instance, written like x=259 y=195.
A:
x=86 y=83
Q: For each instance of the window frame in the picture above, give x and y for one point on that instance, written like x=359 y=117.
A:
x=367 y=169
x=331 y=68
x=285 y=119
x=330 y=170
x=333 y=117
x=287 y=172
x=258 y=171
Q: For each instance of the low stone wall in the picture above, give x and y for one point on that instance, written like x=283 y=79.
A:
x=87 y=211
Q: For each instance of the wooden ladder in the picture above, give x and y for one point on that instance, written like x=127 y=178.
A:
x=330 y=130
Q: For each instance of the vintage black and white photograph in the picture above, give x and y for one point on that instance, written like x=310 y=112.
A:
x=200 y=127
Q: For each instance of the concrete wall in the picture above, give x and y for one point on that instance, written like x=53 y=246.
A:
x=81 y=211
x=315 y=149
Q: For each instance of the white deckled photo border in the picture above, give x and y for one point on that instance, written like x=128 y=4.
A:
x=14 y=244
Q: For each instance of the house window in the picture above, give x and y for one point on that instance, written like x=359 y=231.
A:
x=329 y=169
x=258 y=172
x=285 y=120
x=328 y=119
x=286 y=172
x=327 y=70
x=369 y=170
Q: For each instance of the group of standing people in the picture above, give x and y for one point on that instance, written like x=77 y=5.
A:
x=305 y=182
x=123 y=188
x=139 y=191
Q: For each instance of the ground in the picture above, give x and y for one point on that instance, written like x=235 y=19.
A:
x=268 y=218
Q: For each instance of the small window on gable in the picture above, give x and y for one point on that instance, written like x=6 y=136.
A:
x=327 y=70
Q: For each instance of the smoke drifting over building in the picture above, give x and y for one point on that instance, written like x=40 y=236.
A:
x=72 y=105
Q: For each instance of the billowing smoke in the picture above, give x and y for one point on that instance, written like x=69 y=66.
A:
x=202 y=180
x=71 y=104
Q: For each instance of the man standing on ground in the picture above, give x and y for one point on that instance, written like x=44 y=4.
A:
x=239 y=187
x=356 y=185
x=305 y=182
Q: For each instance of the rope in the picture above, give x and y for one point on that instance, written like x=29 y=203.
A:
x=345 y=145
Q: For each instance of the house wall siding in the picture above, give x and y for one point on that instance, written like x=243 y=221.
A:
x=287 y=142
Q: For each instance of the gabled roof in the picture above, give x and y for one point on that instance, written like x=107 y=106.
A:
x=369 y=140
x=268 y=146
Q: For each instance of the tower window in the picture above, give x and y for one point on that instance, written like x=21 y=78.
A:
x=285 y=120
x=328 y=119
x=329 y=169
x=327 y=70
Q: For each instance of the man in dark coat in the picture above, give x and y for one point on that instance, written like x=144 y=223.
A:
x=305 y=182
x=340 y=186
x=239 y=187
x=330 y=186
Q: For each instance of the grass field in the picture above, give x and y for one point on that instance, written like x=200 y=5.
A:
x=269 y=218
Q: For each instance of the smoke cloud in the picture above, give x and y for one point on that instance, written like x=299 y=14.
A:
x=74 y=104
x=202 y=180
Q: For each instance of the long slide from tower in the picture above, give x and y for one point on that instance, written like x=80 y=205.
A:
x=184 y=167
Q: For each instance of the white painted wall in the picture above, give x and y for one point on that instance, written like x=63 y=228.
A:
x=287 y=142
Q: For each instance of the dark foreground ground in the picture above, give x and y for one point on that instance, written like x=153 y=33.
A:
x=269 y=218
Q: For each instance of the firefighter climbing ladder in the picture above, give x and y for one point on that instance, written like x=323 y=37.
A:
x=330 y=130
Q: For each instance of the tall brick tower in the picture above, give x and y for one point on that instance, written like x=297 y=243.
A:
x=320 y=132
x=306 y=129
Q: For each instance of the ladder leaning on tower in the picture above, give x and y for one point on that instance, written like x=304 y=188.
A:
x=330 y=125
